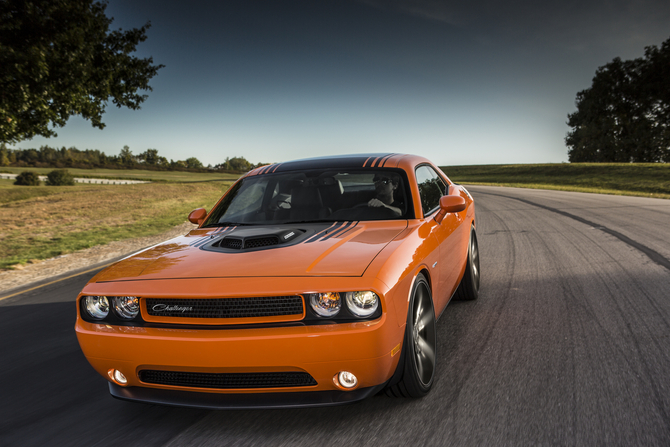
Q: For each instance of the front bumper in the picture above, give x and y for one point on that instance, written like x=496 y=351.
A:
x=368 y=349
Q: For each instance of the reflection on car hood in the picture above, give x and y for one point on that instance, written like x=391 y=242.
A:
x=338 y=249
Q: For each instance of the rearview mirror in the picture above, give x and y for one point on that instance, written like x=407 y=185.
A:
x=450 y=204
x=197 y=216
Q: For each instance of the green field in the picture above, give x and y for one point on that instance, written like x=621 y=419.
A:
x=40 y=222
x=640 y=179
x=134 y=174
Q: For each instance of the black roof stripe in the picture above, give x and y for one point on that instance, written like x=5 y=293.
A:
x=338 y=162
x=383 y=162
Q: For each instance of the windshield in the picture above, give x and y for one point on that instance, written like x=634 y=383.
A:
x=316 y=196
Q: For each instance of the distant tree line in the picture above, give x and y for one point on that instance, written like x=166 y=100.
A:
x=625 y=115
x=49 y=157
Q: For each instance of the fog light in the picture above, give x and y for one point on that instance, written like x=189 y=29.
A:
x=347 y=380
x=117 y=376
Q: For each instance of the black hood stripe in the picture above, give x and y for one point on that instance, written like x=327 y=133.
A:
x=340 y=230
x=202 y=240
x=322 y=232
x=198 y=240
x=347 y=230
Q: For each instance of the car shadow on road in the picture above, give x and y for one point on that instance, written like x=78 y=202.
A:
x=54 y=397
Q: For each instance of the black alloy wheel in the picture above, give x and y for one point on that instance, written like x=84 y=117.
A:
x=418 y=360
x=468 y=289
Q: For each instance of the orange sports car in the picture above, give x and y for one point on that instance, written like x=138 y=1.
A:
x=311 y=282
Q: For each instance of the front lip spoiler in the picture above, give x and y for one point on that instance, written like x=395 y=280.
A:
x=217 y=401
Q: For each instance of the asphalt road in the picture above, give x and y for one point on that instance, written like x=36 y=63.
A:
x=568 y=344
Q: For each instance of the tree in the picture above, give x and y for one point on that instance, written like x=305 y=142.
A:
x=625 y=115
x=193 y=163
x=60 y=177
x=151 y=157
x=235 y=164
x=4 y=158
x=27 y=178
x=126 y=157
x=58 y=58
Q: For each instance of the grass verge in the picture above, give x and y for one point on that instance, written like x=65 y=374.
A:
x=42 y=222
x=640 y=179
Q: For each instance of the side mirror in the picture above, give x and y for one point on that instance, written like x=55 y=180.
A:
x=197 y=216
x=450 y=204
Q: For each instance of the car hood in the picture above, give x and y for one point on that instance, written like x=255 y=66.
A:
x=337 y=249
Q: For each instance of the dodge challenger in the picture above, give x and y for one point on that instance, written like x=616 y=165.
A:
x=311 y=282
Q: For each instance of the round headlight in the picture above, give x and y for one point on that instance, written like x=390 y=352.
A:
x=326 y=304
x=126 y=307
x=97 y=306
x=362 y=304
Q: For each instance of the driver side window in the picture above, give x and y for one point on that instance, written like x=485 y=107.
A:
x=431 y=188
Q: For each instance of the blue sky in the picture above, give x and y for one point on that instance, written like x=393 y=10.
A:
x=478 y=82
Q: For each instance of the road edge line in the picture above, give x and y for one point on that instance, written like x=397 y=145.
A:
x=100 y=267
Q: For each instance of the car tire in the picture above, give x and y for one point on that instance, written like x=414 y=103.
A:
x=416 y=367
x=468 y=289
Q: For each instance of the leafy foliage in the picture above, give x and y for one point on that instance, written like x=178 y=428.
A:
x=193 y=163
x=60 y=177
x=4 y=155
x=72 y=157
x=236 y=164
x=27 y=178
x=625 y=115
x=58 y=58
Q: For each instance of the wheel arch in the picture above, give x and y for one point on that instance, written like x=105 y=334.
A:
x=424 y=271
x=402 y=312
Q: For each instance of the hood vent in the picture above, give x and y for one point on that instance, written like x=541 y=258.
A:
x=231 y=242
x=259 y=242
x=257 y=239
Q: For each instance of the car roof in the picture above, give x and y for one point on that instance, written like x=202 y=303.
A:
x=375 y=160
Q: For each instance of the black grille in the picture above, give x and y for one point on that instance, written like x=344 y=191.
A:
x=266 y=306
x=261 y=242
x=227 y=380
x=232 y=243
